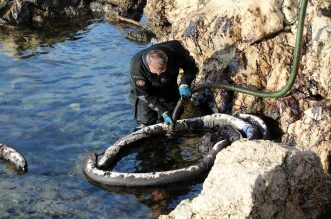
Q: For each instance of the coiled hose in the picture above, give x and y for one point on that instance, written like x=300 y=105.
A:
x=256 y=93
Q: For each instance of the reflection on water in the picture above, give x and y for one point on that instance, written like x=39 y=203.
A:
x=26 y=42
x=64 y=93
x=158 y=153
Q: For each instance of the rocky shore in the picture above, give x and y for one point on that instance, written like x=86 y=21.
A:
x=249 y=43
x=37 y=12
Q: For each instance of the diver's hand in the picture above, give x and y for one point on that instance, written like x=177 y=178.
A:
x=184 y=90
x=167 y=119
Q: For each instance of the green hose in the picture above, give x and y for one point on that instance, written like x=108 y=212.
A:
x=294 y=68
x=256 y=93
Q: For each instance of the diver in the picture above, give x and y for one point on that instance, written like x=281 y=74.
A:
x=154 y=89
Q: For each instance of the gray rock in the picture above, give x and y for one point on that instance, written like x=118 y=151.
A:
x=260 y=179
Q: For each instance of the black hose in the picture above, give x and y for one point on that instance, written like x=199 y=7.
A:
x=154 y=178
x=96 y=169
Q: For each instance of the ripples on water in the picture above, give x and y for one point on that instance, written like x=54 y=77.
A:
x=64 y=93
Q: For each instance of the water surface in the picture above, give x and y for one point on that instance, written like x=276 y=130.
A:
x=64 y=93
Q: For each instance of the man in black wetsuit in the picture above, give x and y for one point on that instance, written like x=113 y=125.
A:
x=154 y=89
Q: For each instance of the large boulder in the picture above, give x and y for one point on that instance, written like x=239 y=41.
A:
x=261 y=179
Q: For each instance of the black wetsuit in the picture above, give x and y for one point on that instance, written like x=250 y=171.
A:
x=151 y=94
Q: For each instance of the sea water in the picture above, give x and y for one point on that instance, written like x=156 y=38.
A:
x=64 y=93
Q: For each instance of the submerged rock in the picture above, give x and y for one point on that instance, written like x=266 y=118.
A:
x=223 y=132
x=260 y=179
x=141 y=36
